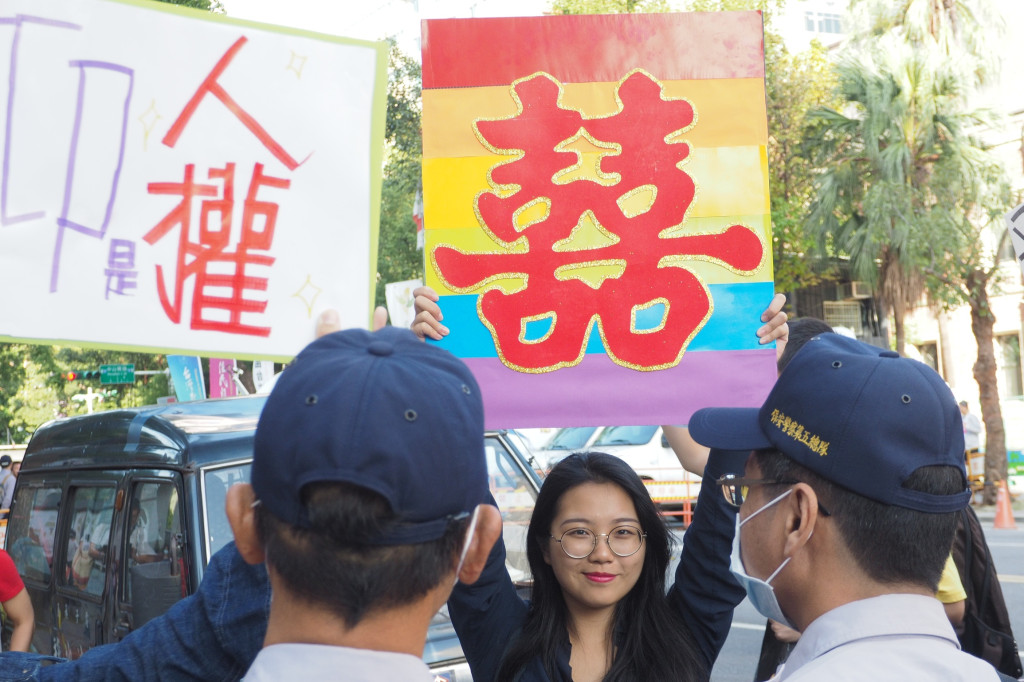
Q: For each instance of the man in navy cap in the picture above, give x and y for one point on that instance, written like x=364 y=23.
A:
x=367 y=504
x=847 y=512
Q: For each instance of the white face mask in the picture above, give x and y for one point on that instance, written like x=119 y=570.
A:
x=465 y=543
x=760 y=592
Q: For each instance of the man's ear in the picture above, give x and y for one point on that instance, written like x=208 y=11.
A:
x=486 y=533
x=803 y=516
x=242 y=517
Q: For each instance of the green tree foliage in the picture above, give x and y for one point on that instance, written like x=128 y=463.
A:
x=903 y=121
x=907 y=191
x=398 y=258
x=963 y=267
x=795 y=84
x=209 y=5
x=608 y=6
x=960 y=30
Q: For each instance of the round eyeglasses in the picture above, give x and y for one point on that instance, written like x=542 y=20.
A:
x=579 y=543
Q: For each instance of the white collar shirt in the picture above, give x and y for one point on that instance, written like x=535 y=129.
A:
x=312 y=662
x=893 y=637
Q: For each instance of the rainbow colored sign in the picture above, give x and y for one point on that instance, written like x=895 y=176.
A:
x=597 y=212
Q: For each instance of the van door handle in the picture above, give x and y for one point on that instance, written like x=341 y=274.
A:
x=123 y=628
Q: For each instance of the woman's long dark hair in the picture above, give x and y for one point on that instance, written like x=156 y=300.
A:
x=651 y=641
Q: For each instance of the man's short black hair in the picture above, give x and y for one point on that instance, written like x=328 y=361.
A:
x=334 y=564
x=801 y=330
x=890 y=544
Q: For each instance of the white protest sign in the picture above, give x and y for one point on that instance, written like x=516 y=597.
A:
x=1015 y=224
x=176 y=180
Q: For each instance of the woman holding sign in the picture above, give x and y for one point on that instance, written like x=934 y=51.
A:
x=599 y=550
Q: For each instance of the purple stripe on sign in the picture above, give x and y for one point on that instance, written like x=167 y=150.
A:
x=597 y=392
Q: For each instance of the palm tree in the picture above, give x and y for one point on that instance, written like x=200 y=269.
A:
x=959 y=29
x=901 y=121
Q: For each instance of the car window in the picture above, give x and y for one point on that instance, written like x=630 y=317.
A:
x=153 y=555
x=31 y=529
x=216 y=481
x=92 y=513
x=626 y=435
x=571 y=438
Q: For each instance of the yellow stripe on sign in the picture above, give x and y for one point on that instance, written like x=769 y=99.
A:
x=730 y=112
x=730 y=181
x=477 y=241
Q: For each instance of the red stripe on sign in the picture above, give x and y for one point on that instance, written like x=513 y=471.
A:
x=460 y=53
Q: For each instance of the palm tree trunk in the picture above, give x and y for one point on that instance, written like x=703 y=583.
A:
x=899 y=314
x=945 y=351
x=982 y=324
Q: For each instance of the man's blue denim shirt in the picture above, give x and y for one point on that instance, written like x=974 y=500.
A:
x=227 y=618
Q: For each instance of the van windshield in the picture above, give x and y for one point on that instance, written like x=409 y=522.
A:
x=571 y=438
x=626 y=435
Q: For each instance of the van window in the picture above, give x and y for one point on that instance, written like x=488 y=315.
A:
x=33 y=523
x=216 y=481
x=155 y=565
x=92 y=513
x=515 y=497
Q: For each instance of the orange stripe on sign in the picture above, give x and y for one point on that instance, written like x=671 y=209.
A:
x=730 y=113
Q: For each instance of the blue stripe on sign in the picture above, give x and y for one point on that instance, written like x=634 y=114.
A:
x=733 y=324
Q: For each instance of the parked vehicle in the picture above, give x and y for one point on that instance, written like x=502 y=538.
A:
x=116 y=515
x=646 y=449
x=567 y=440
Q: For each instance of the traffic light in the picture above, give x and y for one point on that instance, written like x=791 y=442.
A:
x=80 y=374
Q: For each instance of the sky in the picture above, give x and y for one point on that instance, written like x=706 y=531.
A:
x=374 y=19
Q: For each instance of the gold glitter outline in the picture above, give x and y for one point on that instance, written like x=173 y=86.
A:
x=562 y=270
x=603 y=179
x=678 y=261
x=561 y=244
x=527 y=206
x=476 y=288
x=647 y=306
x=636 y=190
x=682 y=350
x=523 y=321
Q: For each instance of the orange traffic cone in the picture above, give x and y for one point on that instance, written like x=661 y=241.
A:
x=1004 y=515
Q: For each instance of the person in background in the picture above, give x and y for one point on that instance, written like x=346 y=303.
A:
x=972 y=432
x=16 y=603
x=848 y=510
x=7 y=480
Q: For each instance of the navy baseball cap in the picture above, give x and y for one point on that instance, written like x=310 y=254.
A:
x=381 y=410
x=859 y=416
